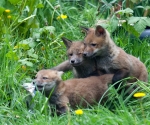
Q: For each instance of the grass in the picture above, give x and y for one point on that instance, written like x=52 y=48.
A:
x=21 y=57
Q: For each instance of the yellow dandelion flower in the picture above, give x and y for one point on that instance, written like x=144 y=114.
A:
x=139 y=94
x=62 y=17
x=24 y=67
x=7 y=11
x=79 y=112
x=8 y=16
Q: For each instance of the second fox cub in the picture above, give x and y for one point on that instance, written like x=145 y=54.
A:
x=74 y=92
x=82 y=66
x=111 y=58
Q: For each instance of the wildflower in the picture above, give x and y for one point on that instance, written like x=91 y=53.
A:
x=7 y=11
x=62 y=17
x=8 y=16
x=24 y=67
x=139 y=94
x=79 y=112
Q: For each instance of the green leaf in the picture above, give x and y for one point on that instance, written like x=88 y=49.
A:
x=12 y=55
x=30 y=42
x=140 y=25
x=114 y=24
x=147 y=21
x=51 y=29
x=131 y=29
x=40 y=5
x=26 y=62
x=132 y=20
x=2 y=10
x=125 y=11
x=14 y=2
x=32 y=54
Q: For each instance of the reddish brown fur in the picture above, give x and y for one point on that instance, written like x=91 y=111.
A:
x=73 y=92
x=110 y=58
x=82 y=66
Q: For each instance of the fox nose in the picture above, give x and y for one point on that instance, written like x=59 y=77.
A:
x=72 y=61
x=85 y=54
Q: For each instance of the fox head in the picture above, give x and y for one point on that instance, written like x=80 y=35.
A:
x=75 y=51
x=46 y=80
x=95 y=41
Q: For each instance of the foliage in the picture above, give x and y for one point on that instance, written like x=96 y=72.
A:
x=127 y=14
x=30 y=39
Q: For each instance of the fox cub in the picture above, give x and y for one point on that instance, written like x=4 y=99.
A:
x=82 y=66
x=111 y=58
x=74 y=92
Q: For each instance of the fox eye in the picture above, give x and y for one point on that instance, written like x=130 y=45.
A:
x=45 y=78
x=93 y=44
x=70 y=54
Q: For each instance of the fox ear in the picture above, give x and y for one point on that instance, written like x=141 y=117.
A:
x=84 y=29
x=67 y=42
x=100 y=31
x=59 y=73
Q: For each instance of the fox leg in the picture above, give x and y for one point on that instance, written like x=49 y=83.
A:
x=62 y=105
x=120 y=74
x=64 y=66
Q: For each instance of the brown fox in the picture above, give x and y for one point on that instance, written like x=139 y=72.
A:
x=111 y=58
x=82 y=66
x=75 y=92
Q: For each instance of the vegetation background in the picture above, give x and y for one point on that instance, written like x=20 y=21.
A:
x=30 y=39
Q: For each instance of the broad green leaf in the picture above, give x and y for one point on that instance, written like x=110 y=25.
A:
x=12 y=55
x=147 y=21
x=51 y=29
x=125 y=11
x=29 y=41
x=40 y=5
x=26 y=62
x=130 y=29
x=132 y=20
x=140 y=25
x=114 y=24
x=32 y=54
x=2 y=10
x=14 y=2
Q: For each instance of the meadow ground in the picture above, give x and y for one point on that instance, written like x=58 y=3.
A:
x=30 y=39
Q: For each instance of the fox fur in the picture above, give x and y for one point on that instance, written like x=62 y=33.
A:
x=110 y=58
x=82 y=67
x=71 y=93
